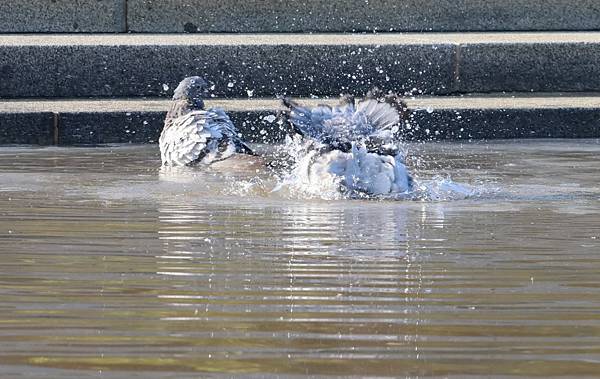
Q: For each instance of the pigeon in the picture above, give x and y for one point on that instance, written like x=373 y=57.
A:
x=351 y=148
x=194 y=135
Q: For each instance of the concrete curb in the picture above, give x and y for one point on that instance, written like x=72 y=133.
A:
x=63 y=16
x=71 y=122
x=177 y=16
x=233 y=16
x=297 y=65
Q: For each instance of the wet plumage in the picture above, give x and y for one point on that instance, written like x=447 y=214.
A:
x=354 y=149
x=193 y=135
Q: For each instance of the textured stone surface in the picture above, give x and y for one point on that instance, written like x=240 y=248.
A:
x=67 y=16
x=131 y=121
x=466 y=124
x=297 y=65
x=256 y=69
x=530 y=67
x=27 y=128
x=160 y=16
x=109 y=127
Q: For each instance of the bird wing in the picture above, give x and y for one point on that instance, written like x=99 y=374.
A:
x=308 y=122
x=199 y=136
x=375 y=121
x=227 y=127
x=379 y=115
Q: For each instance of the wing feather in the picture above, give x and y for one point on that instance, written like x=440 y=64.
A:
x=379 y=115
x=195 y=137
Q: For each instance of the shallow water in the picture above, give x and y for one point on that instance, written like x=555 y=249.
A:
x=111 y=268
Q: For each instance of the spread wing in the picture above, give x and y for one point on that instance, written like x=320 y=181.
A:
x=308 y=122
x=199 y=137
x=374 y=121
x=380 y=116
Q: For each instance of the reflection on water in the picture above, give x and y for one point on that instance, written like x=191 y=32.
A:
x=110 y=268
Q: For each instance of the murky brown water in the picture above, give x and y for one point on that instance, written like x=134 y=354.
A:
x=109 y=268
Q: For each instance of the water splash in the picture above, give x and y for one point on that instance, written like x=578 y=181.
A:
x=441 y=188
x=303 y=179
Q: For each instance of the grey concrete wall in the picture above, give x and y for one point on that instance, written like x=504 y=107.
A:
x=27 y=128
x=251 y=16
x=76 y=128
x=466 y=124
x=161 y=16
x=134 y=66
x=67 y=16
x=530 y=67
x=122 y=71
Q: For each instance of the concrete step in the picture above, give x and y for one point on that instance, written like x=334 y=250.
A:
x=262 y=65
x=173 y=16
x=63 y=16
x=155 y=16
x=96 y=121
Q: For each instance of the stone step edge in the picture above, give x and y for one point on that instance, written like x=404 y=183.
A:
x=252 y=39
x=100 y=121
x=307 y=16
x=304 y=65
x=471 y=101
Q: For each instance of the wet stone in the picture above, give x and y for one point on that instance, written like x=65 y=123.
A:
x=100 y=128
x=27 y=128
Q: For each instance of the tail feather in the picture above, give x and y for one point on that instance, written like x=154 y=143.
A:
x=347 y=99
x=381 y=116
x=391 y=98
x=398 y=102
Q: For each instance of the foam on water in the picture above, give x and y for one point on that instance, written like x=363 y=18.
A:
x=305 y=178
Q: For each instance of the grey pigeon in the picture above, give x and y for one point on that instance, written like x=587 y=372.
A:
x=354 y=146
x=194 y=135
x=376 y=121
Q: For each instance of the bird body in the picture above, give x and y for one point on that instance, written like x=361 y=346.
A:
x=193 y=135
x=355 y=173
x=351 y=149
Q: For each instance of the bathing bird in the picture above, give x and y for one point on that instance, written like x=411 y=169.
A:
x=194 y=135
x=352 y=148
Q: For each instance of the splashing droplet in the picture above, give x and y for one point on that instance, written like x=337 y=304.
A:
x=270 y=118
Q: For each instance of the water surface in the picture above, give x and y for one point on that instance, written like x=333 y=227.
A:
x=112 y=268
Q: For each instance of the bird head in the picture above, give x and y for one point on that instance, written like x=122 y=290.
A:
x=193 y=89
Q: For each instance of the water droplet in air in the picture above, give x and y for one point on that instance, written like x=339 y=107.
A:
x=270 y=118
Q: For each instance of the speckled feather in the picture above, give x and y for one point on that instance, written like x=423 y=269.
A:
x=372 y=121
x=199 y=137
x=351 y=149
x=192 y=135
